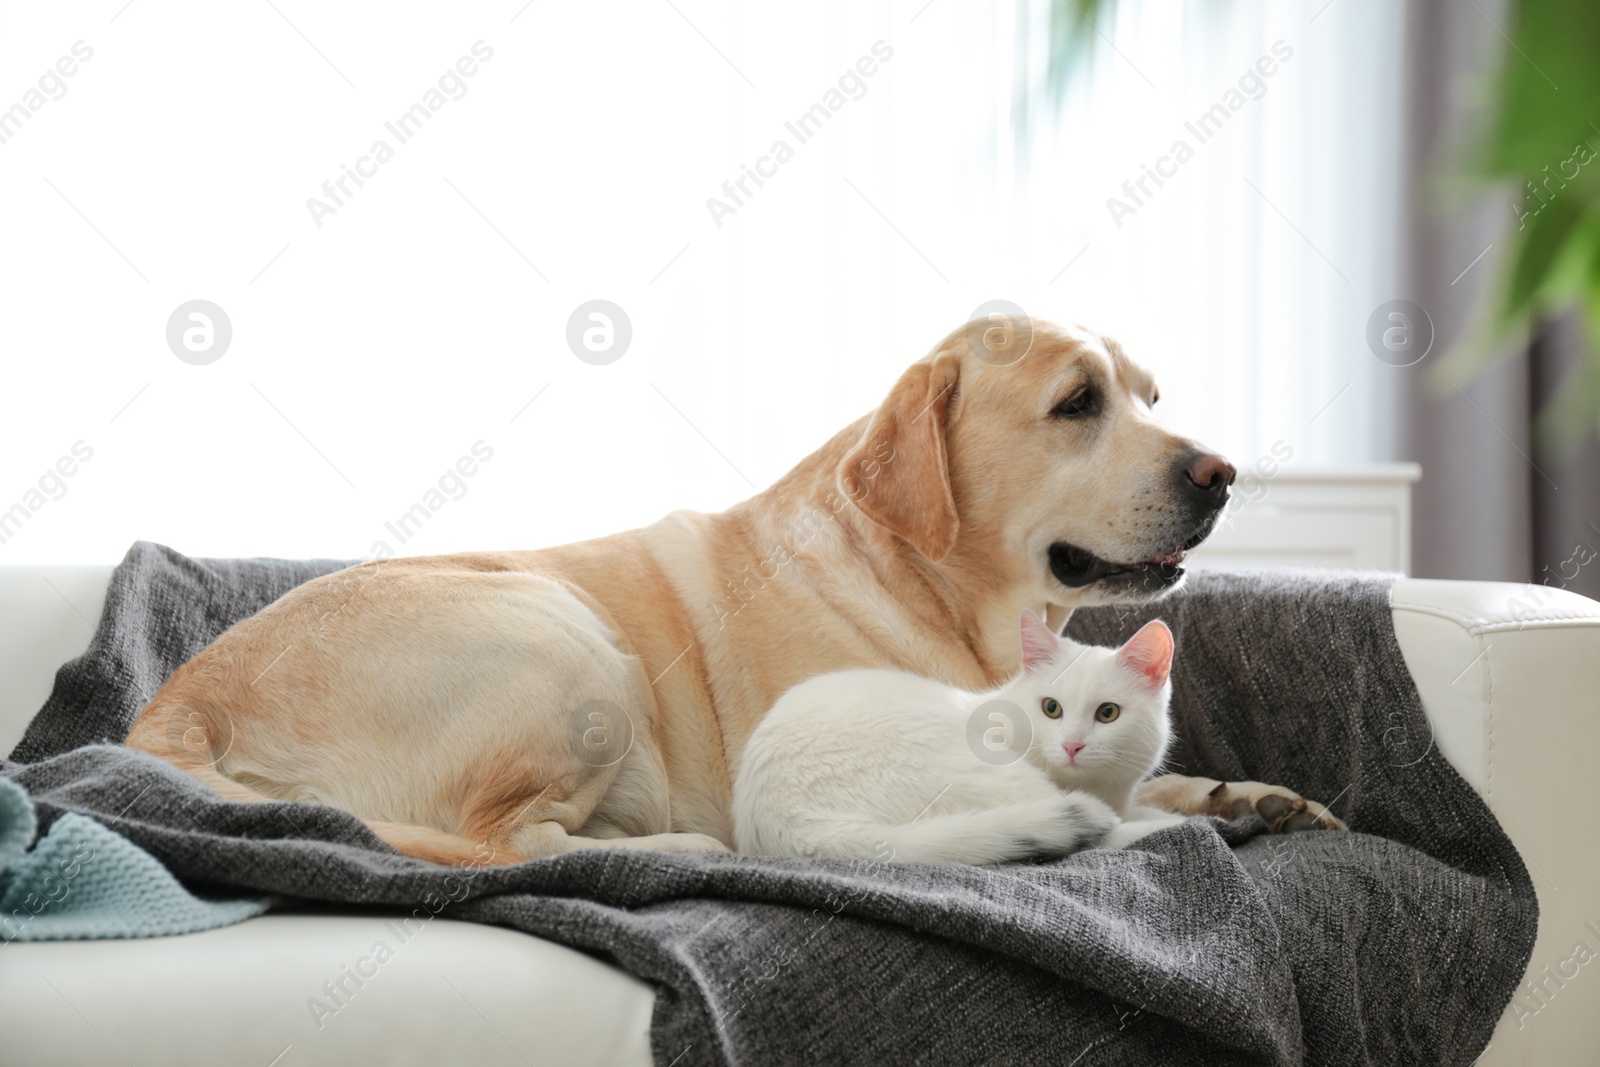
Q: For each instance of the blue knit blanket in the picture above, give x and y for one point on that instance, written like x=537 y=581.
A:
x=81 y=880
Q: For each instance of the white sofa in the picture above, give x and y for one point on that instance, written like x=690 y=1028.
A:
x=1510 y=678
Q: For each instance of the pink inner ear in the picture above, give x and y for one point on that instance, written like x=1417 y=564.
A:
x=1039 y=645
x=1149 y=653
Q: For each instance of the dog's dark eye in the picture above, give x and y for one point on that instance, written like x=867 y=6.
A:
x=1155 y=398
x=1083 y=404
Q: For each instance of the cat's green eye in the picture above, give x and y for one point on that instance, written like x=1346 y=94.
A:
x=1051 y=707
x=1107 y=712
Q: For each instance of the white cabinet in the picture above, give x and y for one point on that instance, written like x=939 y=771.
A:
x=1343 y=517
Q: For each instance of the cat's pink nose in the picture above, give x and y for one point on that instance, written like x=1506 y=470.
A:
x=1073 y=748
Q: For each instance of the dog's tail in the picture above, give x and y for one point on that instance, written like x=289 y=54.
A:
x=196 y=736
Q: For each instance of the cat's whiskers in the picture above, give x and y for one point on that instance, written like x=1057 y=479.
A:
x=1117 y=761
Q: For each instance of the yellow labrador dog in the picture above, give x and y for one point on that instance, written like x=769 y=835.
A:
x=600 y=694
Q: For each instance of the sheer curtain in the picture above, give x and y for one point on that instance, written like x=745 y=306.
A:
x=1246 y=276
x=592 y=158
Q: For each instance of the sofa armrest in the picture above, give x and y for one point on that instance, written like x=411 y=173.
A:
x=1510 y=680
x=47 y=616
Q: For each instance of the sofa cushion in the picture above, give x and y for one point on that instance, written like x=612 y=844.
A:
x=321 y=988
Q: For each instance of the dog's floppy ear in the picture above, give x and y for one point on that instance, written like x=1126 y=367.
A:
x=899 y=472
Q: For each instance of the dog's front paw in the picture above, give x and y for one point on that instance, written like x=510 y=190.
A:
x=1283 y=810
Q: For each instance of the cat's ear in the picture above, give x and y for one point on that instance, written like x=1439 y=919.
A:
x=1039 y=644
x=898 y=474
x=1148 y=653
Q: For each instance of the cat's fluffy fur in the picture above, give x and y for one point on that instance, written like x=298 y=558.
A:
x=889 y=765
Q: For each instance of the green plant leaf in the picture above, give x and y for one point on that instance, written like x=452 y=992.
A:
x=1573 y=410
x=1549 y=85
x=1072 y=26
x=1538 y=255
x=1569 y=414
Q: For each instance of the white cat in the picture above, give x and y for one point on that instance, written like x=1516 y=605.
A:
x=887 y=765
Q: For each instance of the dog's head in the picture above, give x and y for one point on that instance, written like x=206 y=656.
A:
x=1029 y=451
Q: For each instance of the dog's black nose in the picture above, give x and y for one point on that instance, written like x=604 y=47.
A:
x=1208 y=478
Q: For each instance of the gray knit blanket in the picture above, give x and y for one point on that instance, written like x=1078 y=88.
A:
x=1209 y=943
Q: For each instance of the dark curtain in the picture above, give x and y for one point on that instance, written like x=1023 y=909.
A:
x=1491 y=504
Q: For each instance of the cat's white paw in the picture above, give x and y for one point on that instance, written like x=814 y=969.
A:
x=1132 y=830
x=697 y=843
x=1094 y=816
x=684 y=842
x=1074 y=820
